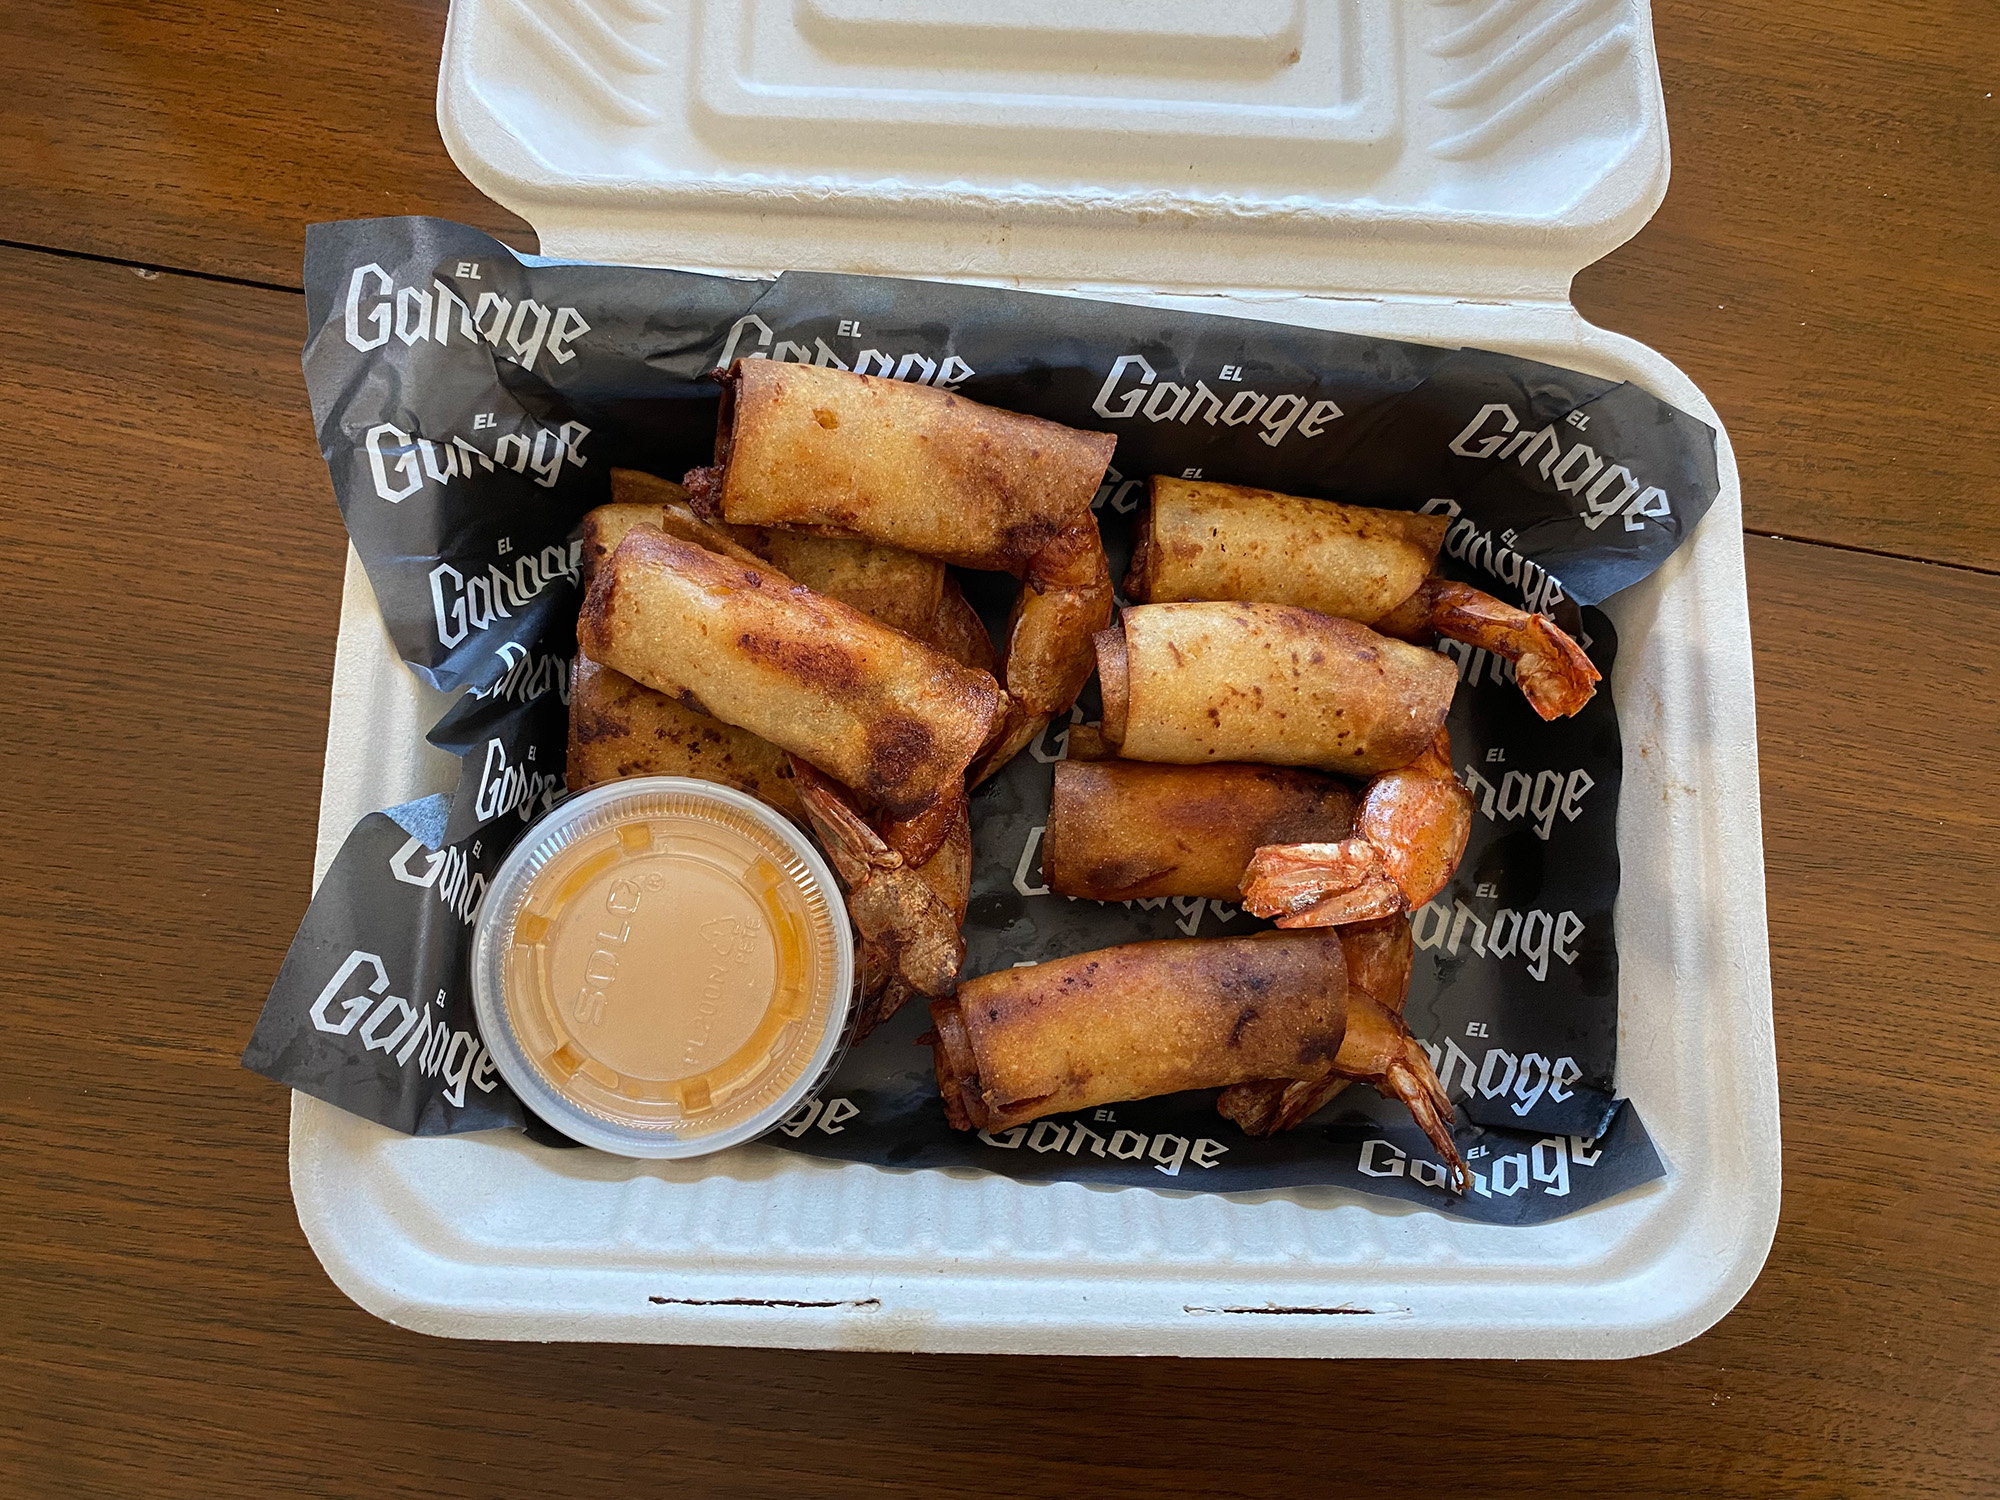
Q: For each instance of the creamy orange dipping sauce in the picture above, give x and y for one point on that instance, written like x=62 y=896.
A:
x=670 y=966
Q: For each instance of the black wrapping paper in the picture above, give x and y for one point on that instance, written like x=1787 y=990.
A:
x=471 y=403
x=372 y=1009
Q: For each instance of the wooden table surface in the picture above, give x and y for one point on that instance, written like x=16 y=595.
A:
x=1824 y=267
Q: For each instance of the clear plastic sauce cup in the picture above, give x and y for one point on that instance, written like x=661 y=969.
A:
x=663 y=967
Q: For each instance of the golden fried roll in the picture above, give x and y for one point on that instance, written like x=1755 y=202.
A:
x=605 y=527
x=620 y=728
x=904 y=591
x=1136 y=1021
x=907 y=592
x=959 y=633
x=1224 y=541
x=874 y=709
x=640 y=499
x=911 y=466
x=812 y=447
x=897 y=587
x=684 y=739
x=1120 y=829
x=1190 y=683
x=637 y=487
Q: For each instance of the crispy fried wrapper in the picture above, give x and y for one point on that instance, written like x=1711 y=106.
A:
x=620 y=728
x=1135 y=1021
x=1381 y=956
x=1120 y=829
x=873 y=708
x=1377 y=1049
x=897 y=587
x=830 y=451
x=637 y=487
x=1223 y=541
x=904 y=591
x=1191 y=683
x=817 y=448
x=641 y=499
x=1200 y=540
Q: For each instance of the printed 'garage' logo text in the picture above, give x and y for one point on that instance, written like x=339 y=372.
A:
x=1607 y=488
x=1133 y=389
x=462 y=604
x=356 y=1003
x=525 y=331
x=400 y=465
x=750 y=337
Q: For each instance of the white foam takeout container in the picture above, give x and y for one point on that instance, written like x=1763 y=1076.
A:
x=1434 y=171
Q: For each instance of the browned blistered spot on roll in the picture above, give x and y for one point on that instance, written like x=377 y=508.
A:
x=704 y=487
x=825 y=418
x=1023 y=539
x=897 y=744
x=1111 y=879
x=593 y=624
x=1318 y=1049
x=821 y=663
x=592 y=727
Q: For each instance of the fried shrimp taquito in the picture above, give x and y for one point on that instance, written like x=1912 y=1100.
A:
x=877 y=710
x=1138 y=1020
x=1202 y=541
x=1191 y=683
x=817 y=449
x=1120 y=829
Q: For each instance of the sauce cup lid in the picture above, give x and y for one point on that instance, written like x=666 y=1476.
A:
x=663 y=967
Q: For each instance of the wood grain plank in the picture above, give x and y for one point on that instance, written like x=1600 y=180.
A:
x=175 y=560
x=207 y=137
x=1821 y=265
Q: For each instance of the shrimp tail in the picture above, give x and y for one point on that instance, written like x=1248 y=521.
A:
x=1253 y=1106
x=1411 y=1079
x=1271 y=1106
x=1410 y=834
x=1552 y=670
x=1378 y=1049
x=906 y=931
x=1065 y=599
x=1419 y=817
x=1320 y=885
x=857 y=851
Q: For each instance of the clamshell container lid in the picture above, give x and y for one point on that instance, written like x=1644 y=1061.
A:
x=1463 y=148
x=1434 y=170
